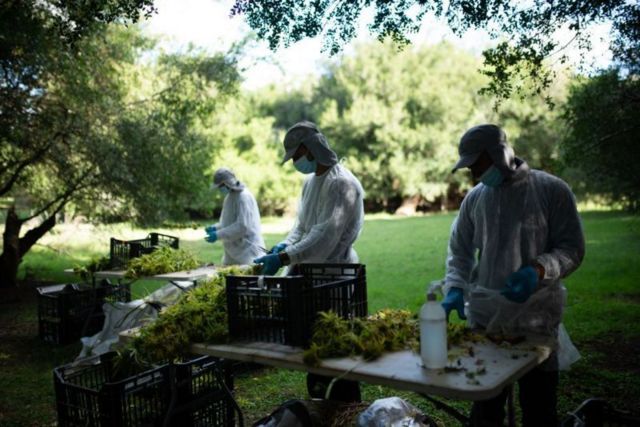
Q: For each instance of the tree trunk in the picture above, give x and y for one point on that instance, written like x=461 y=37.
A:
x=408 y=207
x=15 y=247
x=10 y=258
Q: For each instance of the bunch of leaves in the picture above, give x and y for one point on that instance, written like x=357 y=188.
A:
x=386 y=330
x=459 y=334
x=162 y=260
x=200 y=315
x=87 y=271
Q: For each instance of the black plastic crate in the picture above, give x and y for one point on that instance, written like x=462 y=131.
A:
x=193 y=393
x=284 y=309
x=121 y=251
x=67 y=312
x=70 y=329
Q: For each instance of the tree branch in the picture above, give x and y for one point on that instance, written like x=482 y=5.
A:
x=62 y=198
x=26 y=162
x=37 y=155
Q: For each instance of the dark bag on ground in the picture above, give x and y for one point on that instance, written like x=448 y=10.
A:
x=292 y=413
x=304 y=413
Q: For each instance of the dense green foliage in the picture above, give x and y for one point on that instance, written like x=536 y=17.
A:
x=84 y=123
x=599 y=122
x=396 y=118
x=601 y=148
x=525 y=31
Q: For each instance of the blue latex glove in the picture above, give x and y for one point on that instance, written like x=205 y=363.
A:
x=209 y=229
x=521 y=284
x=270 y=264
x=454 y=301
x=212 y=236
x=277 y=248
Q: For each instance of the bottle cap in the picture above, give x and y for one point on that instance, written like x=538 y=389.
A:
x=431 y=296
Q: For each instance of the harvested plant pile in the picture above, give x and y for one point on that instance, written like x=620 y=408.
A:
x=386 y=330
x=199 y=316
x=161 y=261
x=96 y=264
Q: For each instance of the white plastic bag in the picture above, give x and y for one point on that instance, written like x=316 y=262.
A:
x=391 y=412
x=121 y=316
x=568 y=354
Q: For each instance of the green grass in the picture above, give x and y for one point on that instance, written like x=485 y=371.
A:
x=402 y=256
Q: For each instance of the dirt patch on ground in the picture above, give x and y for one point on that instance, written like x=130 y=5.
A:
x=619 y=353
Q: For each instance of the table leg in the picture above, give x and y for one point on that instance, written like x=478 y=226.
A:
x=448 y=409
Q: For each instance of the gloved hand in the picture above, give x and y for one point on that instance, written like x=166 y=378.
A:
x=454 y=301
x=212 y=236
x=277 y=248
x=270 y=264
x=521 y=284
x=209 y=229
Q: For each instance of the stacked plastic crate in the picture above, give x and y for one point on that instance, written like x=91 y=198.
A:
x=284 y=309
x=197 y=392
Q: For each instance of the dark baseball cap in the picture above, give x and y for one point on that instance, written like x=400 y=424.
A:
x=475 y=141
x=296 y=135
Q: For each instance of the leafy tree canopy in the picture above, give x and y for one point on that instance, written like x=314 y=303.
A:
x=524 y=30
x=396 y=117
x=82 y=122
x=601 y=148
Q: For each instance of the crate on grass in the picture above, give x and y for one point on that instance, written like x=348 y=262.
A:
x=193 y=393
x=122 y=251
x=284 y=309
x=67 y=312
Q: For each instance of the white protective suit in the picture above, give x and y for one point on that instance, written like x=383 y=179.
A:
x=330 y=217
x=239 y=228
x=531 y=217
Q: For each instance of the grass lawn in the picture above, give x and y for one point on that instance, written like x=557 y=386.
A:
x=402 y=256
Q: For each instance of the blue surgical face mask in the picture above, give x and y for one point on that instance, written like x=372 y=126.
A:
x=492 y=177
x=224 y=190
x=304 y=165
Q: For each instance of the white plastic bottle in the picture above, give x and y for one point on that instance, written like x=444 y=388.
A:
x=433 y=334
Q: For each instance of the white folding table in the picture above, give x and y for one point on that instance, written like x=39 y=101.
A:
x=477 y=371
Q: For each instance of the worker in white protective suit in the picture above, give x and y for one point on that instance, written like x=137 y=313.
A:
x=331 y=209
x=330 y=217
x=239 y=226
x=517 y=234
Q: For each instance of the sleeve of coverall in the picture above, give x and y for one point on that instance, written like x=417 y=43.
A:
x=565 y=248
x=295 y=234
x=461 y=253
x=323 y=237
x=238 y=228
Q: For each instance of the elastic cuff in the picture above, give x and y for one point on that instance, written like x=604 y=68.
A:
x=293 y=257
x=284 y=258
